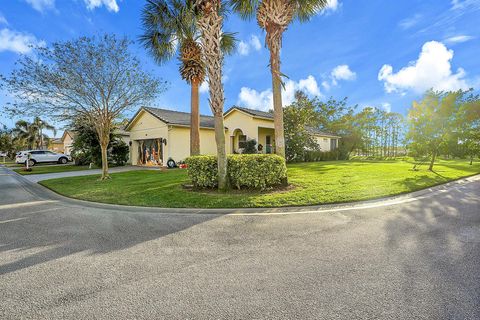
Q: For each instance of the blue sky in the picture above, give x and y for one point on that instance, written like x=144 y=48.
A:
x=375 y=52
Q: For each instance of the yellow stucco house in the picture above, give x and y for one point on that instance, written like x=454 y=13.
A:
x=157 y=135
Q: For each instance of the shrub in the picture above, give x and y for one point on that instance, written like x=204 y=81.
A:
x=120 y=152
x=250 y=147
x=245 y=171
x=314 y=155
x=202 y=170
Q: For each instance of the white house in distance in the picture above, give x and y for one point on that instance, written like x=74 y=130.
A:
x=157 y=135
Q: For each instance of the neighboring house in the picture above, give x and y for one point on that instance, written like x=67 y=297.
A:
x=158 y=135
x=56 y=145
x=67 y=138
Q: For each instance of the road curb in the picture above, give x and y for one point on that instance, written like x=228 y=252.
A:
x=47 y=194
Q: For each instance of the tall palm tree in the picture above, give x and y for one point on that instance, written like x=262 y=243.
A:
x=210 y=22
x=40 y=126
x=170 y=28
x=274 y=16
x=32 y=133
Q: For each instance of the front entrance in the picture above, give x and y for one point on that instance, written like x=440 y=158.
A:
x=150 y=152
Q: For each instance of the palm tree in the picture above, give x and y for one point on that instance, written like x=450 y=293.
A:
x=210 y=22
x=170 y=27
x=32 y=133
x=274 y=16
x=41 y=125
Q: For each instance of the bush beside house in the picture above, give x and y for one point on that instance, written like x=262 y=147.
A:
x=245 y=171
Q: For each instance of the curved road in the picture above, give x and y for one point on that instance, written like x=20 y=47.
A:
x=410 y=258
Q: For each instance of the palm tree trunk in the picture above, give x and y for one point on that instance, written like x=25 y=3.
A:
x=210 y=22
x=274 y=37
x=194 y=120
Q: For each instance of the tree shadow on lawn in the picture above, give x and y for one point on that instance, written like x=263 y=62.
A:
x=435 y=242
x=64 y=231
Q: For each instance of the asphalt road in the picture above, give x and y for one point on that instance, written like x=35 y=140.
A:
x=417 y=258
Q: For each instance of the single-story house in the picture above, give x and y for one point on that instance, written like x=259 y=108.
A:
x=56 y=145
x=68 y=137
x=157 y=135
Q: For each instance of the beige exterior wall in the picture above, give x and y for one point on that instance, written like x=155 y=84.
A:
x=178 y=143
x=324 y=142
x=145 y=127
x=67 y=144
x=252 y=127
x=56 y=147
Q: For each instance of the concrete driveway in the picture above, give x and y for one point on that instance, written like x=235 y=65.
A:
x=416 y=258
x=46 y=176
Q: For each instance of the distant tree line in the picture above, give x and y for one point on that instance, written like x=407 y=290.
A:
x=370 y=132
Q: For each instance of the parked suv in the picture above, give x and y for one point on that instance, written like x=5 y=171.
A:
x=39 y=156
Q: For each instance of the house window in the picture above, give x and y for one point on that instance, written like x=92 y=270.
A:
x=242 y=141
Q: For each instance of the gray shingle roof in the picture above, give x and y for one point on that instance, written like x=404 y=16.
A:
x=179 y=118
x=253 y=112
x=320 y=132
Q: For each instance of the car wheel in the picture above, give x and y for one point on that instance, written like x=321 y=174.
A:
x=63 y=160
x=171 y=163
x=31 y=163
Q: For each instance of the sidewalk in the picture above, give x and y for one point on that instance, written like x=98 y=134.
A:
x=47 y=176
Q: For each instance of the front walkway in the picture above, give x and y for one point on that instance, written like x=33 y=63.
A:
x=47 y=176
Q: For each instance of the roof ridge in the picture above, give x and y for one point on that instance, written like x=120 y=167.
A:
x=202 y=115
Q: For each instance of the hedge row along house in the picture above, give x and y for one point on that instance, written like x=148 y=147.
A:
x=158 y=136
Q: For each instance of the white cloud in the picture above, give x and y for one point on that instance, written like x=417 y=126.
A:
x=11 y=40
x=263 y=100
x=332 y=6
x=204 y=87
x=465 y=4
x=387 y=107
x=111 y=5
x=3 y=20
x=339 y=73
x=342 y=72
x=410 y=22
x=431 y=70
x=458 y=39
x=41 y=5
x=245 y=47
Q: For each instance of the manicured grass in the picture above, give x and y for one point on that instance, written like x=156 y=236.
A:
x=51 y=169
x=312 y=183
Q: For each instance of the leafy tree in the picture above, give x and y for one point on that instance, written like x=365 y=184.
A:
x=86 y=147
x=7 y=143
x=299 y=118
x=274 y=16
x=210 y=22
x=93 y=78
x=432 y=120
x=32 y=133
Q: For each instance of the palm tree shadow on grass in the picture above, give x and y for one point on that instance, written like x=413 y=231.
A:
x=437 y=248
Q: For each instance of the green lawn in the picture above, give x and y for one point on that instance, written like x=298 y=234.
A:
x=312 y=183
x=51 y=169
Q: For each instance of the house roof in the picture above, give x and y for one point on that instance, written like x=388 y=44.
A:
x=176 y=117
x=321 y=133
x=70 y=133
x=252 y=112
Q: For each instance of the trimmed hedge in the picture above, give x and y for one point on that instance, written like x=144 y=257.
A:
x=245 y=171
